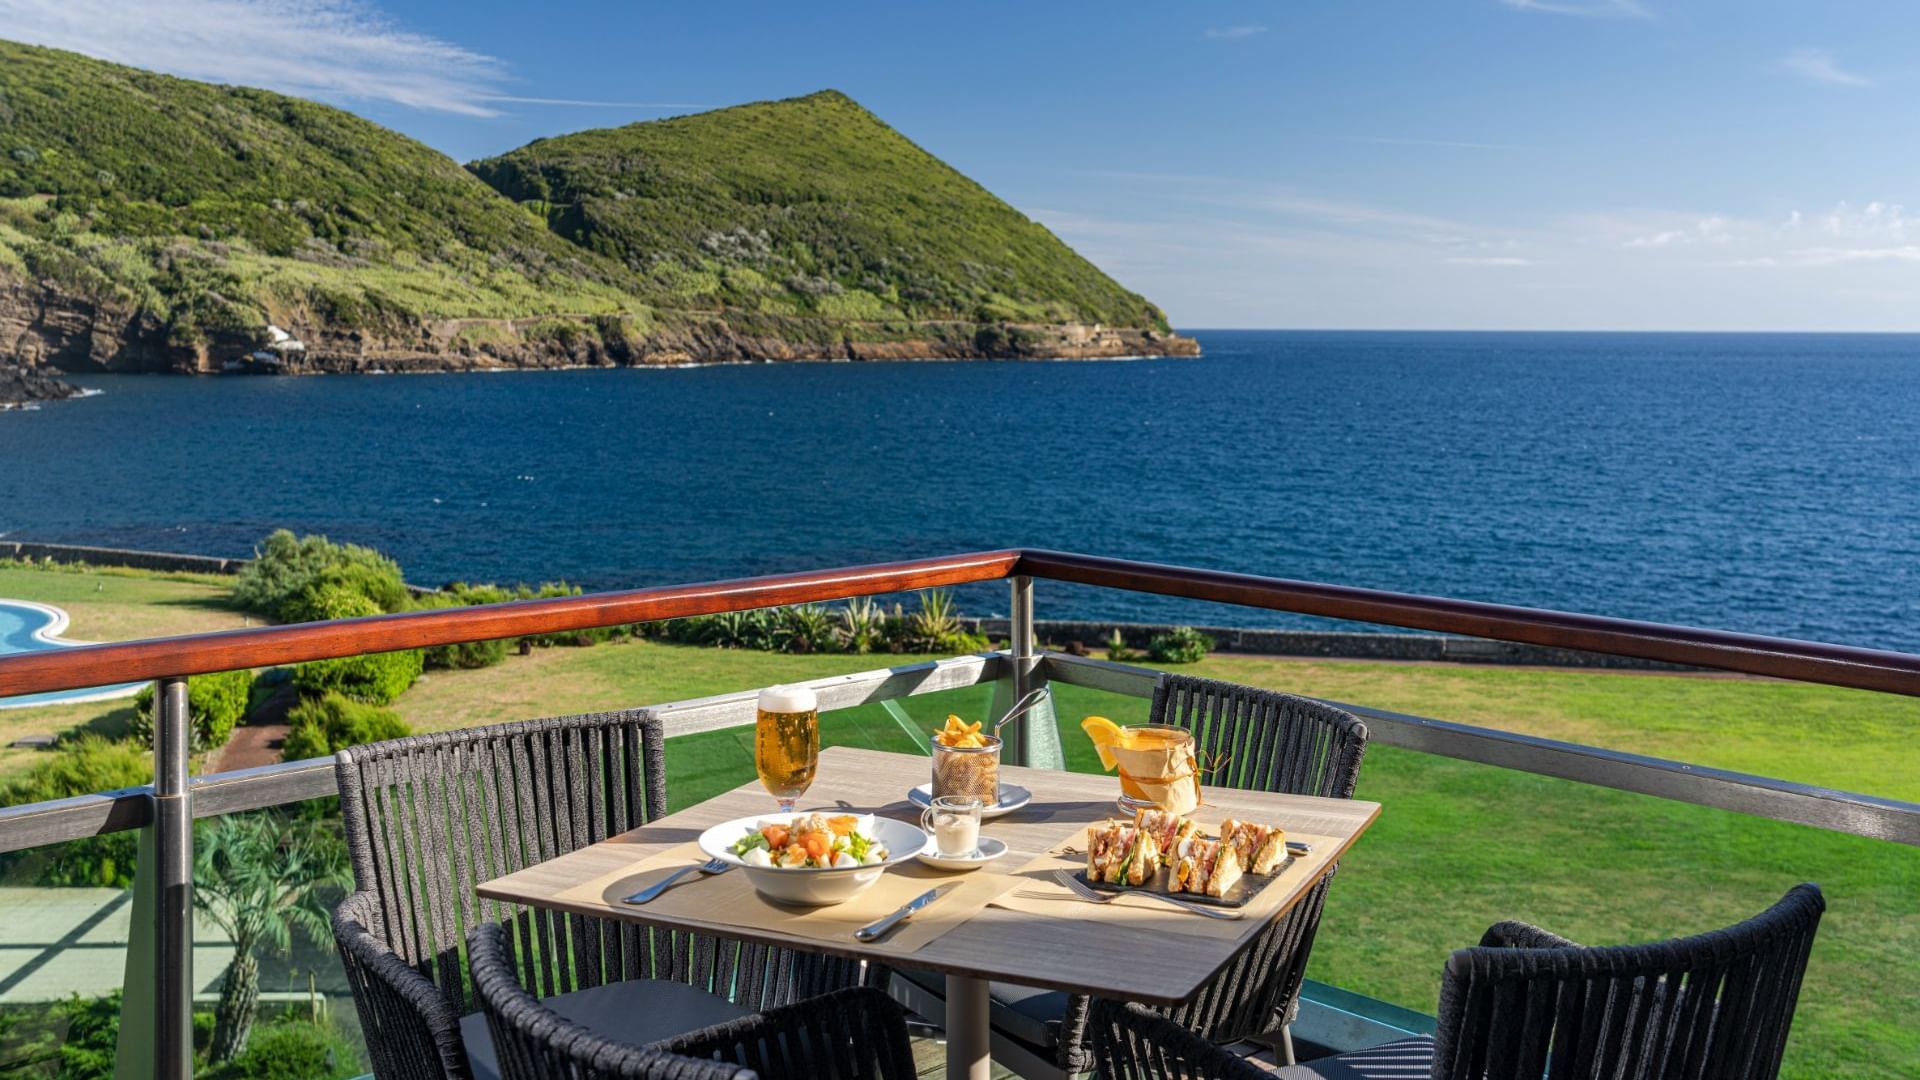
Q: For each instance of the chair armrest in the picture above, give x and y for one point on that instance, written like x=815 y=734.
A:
x=817 y=1034
x=1519 y=935
x=411 y=1016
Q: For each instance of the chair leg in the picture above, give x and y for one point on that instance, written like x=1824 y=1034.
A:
x=1285 y=1046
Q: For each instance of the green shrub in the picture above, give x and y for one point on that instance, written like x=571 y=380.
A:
x=81 y=766
x=376 y=677
x=934 y=627
x=862 y=626
x=92 y=1042
x=329 y=597
x=285 y=566
x=322 y=726
x=215 y=703
x=803 y=628
x=1117 y=648
x=1181 y=645
x=292 y=1050
x=468 y=654
x=549 y=589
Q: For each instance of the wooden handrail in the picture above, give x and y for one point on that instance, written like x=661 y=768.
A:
x=1785 y=658
x=194 y=654
x=197 y=654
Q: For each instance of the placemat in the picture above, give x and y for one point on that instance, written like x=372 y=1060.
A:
x=1037 y=892
x=729 y=899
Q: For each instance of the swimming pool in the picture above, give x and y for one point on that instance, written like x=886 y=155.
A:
x=29 y=627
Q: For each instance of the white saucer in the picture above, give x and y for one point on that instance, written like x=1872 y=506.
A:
x=1012 y=797
x=990 y=849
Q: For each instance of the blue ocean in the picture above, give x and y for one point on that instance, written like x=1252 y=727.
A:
x=1762 y=483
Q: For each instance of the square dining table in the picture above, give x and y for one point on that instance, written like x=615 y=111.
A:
x=1058 y=946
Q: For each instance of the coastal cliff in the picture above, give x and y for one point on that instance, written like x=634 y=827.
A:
x=155 y=224
x=55 y=329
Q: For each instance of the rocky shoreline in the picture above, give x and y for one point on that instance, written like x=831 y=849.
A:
x=52 y=328
x=23 y=385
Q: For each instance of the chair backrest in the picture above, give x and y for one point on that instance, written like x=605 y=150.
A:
x=1266 y=741
x=532 y=1042
x=853 y=1033
x=1262 y=740
x=1132 y=1042
x=430 y=816
x=1526 y=1004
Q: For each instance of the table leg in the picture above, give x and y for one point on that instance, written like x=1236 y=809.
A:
x=969 y=1036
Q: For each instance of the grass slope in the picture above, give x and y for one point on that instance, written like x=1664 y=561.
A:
x=106 y=605
x=810 y=205
x=205 y=205
x=209 y=211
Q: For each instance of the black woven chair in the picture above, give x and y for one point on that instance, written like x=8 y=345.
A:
x=1249 y=738
x=1527 y=1005
x=429 y=817
x=854 y=1034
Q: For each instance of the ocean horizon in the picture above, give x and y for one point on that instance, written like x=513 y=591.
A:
x=1760 y=482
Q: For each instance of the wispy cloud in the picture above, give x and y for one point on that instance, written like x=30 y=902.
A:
x=1819 y=65
x=517 y=100
x=1448 y=144
x=1229 y=33
x=1846 y=234
x=1584 y=9
x=1712 y=229
x=1220 y=251
x=330 y=49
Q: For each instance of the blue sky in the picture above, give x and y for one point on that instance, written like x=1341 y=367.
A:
x=1561 y=164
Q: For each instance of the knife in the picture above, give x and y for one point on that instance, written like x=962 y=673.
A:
x=874 y=931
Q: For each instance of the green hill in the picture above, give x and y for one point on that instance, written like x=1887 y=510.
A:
x=208 y=207
x=155 y=223
x=807 y=206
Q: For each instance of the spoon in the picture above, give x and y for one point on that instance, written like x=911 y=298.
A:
x=1026 y=703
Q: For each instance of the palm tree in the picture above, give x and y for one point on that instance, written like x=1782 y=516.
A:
x=258 y=877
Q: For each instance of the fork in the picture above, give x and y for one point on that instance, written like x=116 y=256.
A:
x=1094 y=896
x=711 y=866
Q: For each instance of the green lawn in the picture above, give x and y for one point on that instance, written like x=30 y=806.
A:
x=106 y=605
x=1460 y=846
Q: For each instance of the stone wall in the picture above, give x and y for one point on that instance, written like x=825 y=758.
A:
x=104 y=556
x=1359 y=645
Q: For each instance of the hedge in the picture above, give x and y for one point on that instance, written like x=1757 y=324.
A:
x=81 y=766
x=215 y=703
x=319 y=727
x=285 y=566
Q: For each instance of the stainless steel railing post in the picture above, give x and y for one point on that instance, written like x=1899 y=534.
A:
x=173 y=913
x=1021 y=750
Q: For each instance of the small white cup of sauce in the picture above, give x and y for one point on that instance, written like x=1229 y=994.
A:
x=954 y=822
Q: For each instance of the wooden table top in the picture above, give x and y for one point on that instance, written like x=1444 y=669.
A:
x=1122 y=962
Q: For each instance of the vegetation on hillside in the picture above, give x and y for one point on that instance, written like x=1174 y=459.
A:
x=811 y=205
x=211 y=206
x=209 y=211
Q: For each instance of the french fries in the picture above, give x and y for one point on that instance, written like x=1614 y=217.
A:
x=960 y=735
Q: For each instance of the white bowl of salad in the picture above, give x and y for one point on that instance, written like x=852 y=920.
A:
x=813 y=858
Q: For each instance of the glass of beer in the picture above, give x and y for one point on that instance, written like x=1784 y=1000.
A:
x=786 y=742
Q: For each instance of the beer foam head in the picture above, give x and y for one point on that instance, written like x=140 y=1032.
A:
x=785 y=699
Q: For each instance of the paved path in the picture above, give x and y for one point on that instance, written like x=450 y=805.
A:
x=58 y=942
x=258 y=741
